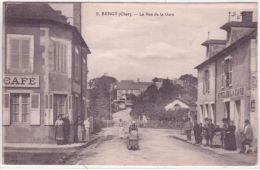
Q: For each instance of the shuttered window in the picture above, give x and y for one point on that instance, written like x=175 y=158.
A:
x=19 y=53
x=6 y=109
x=60 y=56
x=35 y=109
x=227 y=71
x=20 y=107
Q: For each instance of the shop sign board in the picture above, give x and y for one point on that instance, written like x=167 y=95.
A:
x=21 y=81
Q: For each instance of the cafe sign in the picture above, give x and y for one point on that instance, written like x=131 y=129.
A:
x=232 y=93
x=21 y=81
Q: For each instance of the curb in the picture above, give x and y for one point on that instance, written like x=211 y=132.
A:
x=199 y=146
x=58 y=149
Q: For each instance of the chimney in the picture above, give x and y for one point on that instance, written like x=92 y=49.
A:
x=247 y=16
x=138 y=80
x=77 y=15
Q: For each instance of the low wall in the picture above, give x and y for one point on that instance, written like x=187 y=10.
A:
x=162 y=124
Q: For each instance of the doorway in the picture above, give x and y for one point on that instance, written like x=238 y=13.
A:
x=59 y=105
x=227 y=110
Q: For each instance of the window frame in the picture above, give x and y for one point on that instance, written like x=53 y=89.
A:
x=20 y=108
x=206 y=82
x=64 y=67
x=229 y=71
x=31 y=53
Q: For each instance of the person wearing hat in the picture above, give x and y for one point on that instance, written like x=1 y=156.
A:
x=223 y=132
x=247 y=135
x=132 y=127
x=211 y=132
x=205 y=131
x=59 y=130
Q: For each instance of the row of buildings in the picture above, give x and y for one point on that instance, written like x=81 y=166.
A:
x=227 y=79
x=44 y=72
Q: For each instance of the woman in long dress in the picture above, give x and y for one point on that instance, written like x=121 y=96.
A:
x=231 y=138
x=59 y=130
x=216 y=142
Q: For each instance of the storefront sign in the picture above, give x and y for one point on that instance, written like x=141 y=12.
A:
x=21 y=81
x=232 y=93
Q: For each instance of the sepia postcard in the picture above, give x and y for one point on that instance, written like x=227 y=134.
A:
x=130 y=84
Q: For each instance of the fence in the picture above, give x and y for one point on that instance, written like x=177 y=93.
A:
x=163 y=124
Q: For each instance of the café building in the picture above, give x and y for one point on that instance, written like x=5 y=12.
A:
x=236 y=74
x=44 y=73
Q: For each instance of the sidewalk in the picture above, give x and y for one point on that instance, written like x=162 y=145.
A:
x=250 y=158
x=33 y=147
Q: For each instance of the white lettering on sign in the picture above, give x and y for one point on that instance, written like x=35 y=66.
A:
x=232 y=93
x=21 y=81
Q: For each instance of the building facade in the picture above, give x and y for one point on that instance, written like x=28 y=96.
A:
x=45 y=73
x=127 y=88
x=235 y=76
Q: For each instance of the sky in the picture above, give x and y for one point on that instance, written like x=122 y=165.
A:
x=144 y=47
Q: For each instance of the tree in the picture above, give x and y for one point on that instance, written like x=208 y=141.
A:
x=101 y=96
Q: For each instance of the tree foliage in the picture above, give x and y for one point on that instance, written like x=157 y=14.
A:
x=152 y=101
x=101 y=94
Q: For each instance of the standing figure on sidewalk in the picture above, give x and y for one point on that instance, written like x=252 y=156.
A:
x=188 y=129
x=223 y=132
x=59 y=130
x=197 y=133
x=121 y=131
x=231 y=138
x=211 y=132
x=216 y=142
x=87 y=126
x=247 y=138
x=144 y=121
x=66 y=129
x=205 y=131
x=81 y=131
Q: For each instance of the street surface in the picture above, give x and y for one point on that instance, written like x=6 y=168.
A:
x=157 y=147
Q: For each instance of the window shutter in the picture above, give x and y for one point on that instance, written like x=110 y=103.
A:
x=222 y=81
x=230 y=71
x=70 y=107
x=6 y=109
x=35 y=109
x=46 y=110
x=51 y=115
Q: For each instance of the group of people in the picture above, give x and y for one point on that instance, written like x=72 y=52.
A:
x=216 y=136
x=62 y=130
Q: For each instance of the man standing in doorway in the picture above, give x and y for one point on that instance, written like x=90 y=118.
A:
x=205 y=131
x=211 y=132
x=66 y=129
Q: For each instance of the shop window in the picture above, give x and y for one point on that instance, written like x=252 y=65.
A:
x=20 y=53
x=206 y=82
x=20 y=107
